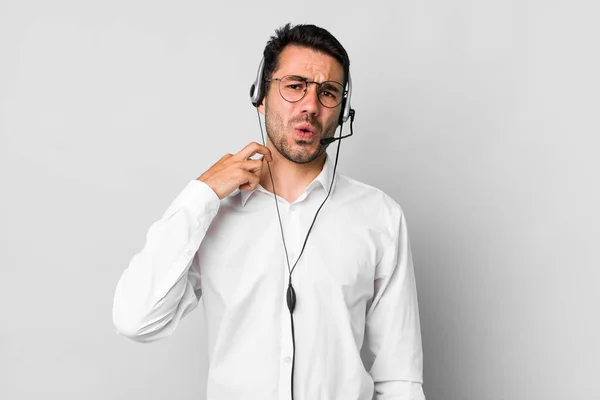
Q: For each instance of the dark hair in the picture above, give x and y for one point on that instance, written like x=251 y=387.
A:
x=309 y=36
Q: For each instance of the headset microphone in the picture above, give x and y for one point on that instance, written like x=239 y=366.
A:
x=329 y=140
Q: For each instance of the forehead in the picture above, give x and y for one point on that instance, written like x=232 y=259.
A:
x=314 y=65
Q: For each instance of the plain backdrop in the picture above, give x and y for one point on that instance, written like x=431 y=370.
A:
x=479 y=117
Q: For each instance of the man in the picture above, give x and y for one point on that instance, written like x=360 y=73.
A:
x=223 y=239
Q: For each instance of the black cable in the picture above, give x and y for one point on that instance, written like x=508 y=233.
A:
x=291 y=293
x=293 y=354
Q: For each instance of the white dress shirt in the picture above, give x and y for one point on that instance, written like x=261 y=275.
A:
x=354 y=283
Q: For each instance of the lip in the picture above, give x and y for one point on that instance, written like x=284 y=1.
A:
x=305 y=131
x=304 y=134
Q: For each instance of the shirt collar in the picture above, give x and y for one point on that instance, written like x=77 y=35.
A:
x=324 y=179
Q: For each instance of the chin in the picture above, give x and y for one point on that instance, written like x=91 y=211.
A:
x=304 y=157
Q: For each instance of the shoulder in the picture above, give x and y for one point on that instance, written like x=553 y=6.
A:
x=367 y=193
x=368 y=199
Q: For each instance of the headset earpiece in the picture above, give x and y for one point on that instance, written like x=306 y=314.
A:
x=256 y=90
x=346 y=106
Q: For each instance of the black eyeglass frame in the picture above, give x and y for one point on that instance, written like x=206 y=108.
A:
x=307 y=81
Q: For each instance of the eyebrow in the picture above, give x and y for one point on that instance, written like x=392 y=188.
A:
x=329 y=86
x=299 y=77
x=308 y=79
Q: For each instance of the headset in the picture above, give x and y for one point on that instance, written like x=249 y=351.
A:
x=257 y=93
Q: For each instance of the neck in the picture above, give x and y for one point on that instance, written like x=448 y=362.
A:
x=291 y=179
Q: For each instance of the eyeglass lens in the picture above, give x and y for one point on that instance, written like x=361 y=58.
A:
x=293 y=88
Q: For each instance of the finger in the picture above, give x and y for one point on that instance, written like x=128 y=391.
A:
x=225 y=157
x=251 y=182
x=253 y=179
x=253 y=166
x=255 y=148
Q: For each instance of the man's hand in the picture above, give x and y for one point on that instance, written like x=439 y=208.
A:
x=234 y=171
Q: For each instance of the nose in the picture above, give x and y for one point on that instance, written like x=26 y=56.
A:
x=310 y=103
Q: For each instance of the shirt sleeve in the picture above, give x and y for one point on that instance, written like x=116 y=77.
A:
x=161 y=285
x=392 y=325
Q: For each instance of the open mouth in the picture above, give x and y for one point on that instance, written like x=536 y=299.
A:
x=304 y=130
x=303 y=133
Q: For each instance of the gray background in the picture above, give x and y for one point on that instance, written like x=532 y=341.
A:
x=480 y=118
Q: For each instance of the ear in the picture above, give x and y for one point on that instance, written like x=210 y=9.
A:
x=261 y=106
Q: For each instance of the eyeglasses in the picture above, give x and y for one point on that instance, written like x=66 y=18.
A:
x=293 y=89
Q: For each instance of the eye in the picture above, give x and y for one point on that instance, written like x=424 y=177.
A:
x=293 y=84
x=328 y=94
x=329 y=90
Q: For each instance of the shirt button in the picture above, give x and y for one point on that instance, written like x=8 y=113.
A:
x=190 y=252
x=287 y=359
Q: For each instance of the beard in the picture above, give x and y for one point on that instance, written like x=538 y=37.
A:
x=304 y=151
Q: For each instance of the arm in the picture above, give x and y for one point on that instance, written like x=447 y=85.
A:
x=162 y=283
x=393 y=326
